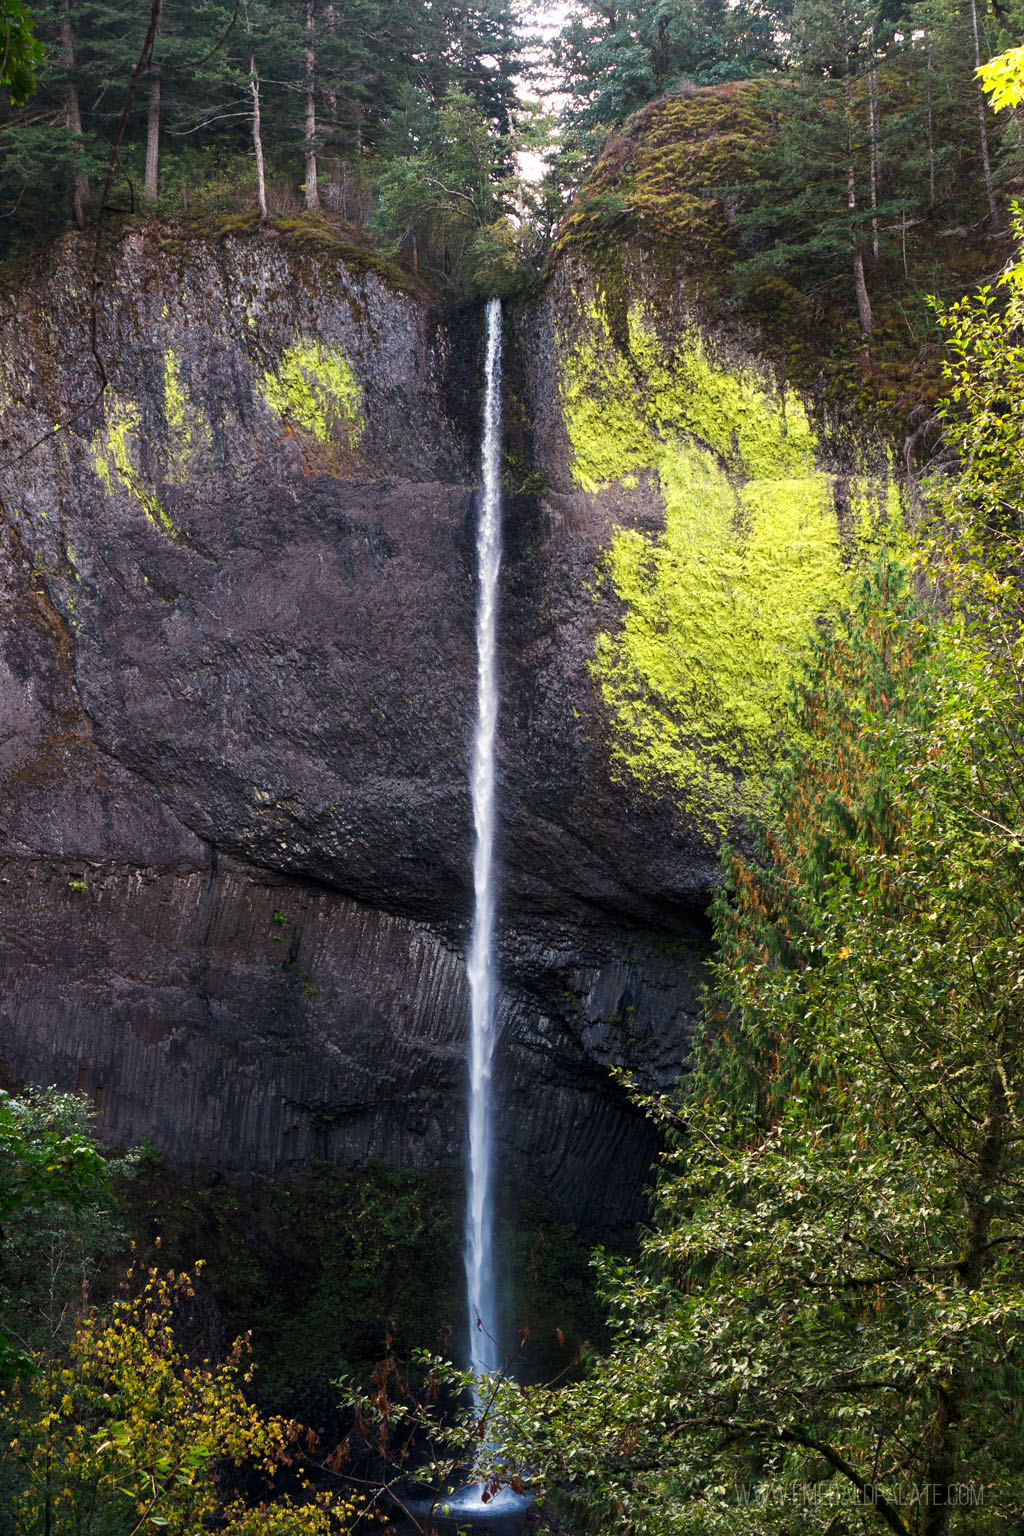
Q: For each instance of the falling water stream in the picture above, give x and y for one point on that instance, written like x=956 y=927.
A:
x=484 y=1354
x=471 y=1507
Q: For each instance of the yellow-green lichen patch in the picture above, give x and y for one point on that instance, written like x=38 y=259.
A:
x=112 y=459
x=188 y=431
x=716 y=608
x=316 y=394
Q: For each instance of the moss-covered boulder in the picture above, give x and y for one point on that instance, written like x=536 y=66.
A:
x=681 y=186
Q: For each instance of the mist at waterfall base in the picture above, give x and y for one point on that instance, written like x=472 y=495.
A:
x=468 y=1508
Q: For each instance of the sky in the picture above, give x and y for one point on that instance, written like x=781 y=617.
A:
x=542 y=21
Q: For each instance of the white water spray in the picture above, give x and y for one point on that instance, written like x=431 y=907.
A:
x=483 y=1349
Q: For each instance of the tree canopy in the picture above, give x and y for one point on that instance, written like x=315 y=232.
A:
x=19 y=50
x=52 y=1176
x=308 y=102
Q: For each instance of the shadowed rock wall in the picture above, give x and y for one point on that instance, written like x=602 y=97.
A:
x=236 y=692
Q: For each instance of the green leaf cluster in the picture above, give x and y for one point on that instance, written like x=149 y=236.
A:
x=129 y=1434
x=1003 y=79
x=823 y=1331
x=19 y=51
x=55 y=1186
x=976 y=490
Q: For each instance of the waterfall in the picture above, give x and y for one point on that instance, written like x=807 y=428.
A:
x=474 y=1507
x=484 y=1353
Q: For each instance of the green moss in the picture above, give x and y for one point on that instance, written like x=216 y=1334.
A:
x=70 y=603
x=213 y=224
x=623 y=405
x=112 y=460
x=321 y=233
x=315 y=392
x=664 y=183
x=717 y=607
x=174 y=393
x=188 y=431
x=323 y=239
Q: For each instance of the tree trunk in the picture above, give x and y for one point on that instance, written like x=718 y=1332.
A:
x=873 y=123
x=930 y=126
x=338 y=199
x=151 y=186
x=660 y=54
x=860 y=286
x=71 y=114
x=983 y=132
x=312 y=194
x=944 y=1462
x=257 y=138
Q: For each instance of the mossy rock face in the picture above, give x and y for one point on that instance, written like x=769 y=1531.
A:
x=129 y=457
x=740 y=437
x=247 y=730
x=763 y=536
x=315 y=393
x=319 y=236
x=672 y=187
x=115 y=455
x=661 y=184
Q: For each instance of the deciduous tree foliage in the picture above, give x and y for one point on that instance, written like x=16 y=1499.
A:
x=128 y=1434
x=19 y=51
x=823 y=1331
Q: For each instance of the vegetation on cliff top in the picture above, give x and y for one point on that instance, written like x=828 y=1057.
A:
x=809 y=172
x=678 y=208
x=735 y=208
x=865 y=141
x=399 y=117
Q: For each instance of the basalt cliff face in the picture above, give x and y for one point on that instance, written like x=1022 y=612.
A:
x=237 y=691
x=238 y=678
